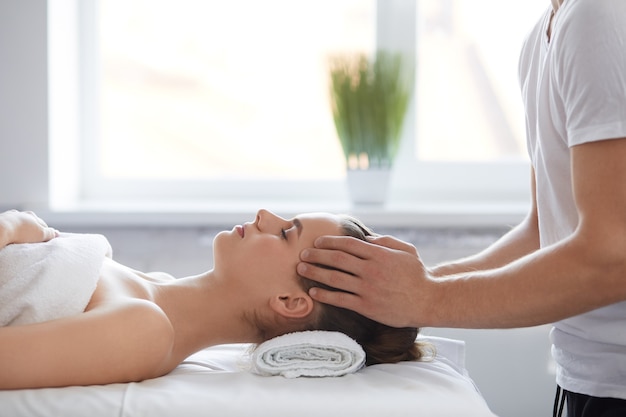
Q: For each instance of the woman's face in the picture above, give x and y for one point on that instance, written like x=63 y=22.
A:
x=263 y=255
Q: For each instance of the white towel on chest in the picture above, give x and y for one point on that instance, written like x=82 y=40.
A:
x=309 y=353
x=49 y=280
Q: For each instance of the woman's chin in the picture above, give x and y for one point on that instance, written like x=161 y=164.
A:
x=220 y=239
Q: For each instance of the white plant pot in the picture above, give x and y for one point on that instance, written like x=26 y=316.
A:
x=368 y=186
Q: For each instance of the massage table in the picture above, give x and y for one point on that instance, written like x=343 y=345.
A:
x=217 y=382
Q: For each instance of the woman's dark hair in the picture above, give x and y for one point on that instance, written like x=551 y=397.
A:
x=381 y=343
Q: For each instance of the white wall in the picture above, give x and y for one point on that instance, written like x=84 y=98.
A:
x=23 y=103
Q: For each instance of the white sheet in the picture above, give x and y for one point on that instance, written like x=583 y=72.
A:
x=214 y=382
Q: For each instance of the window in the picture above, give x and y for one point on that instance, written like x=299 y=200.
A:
x=199 y=99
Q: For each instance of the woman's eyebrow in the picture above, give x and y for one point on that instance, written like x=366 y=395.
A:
x=298 y=225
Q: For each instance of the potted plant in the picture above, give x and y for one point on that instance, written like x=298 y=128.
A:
x=369 y=100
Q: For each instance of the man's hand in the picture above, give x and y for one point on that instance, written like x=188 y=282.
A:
x=384 y=279
x=23 y=227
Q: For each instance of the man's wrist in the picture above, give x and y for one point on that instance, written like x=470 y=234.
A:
x=428 y=309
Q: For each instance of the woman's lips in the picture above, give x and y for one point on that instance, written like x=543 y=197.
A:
x=240 y=230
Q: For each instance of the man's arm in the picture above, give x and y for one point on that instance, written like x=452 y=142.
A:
x=381 y=275
x=583 y=272
x=518 y=242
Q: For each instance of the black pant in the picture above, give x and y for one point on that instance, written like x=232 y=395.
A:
x=581 y=405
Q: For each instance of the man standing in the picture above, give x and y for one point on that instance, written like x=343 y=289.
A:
x=566 y=262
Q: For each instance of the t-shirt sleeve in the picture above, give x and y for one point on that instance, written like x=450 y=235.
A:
x=591 y=70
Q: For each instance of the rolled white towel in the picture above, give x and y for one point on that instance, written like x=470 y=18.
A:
x=309 y=353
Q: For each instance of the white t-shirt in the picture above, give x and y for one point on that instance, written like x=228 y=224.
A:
x=574 y=90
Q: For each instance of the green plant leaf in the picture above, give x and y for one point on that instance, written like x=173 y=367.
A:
x=369 y=100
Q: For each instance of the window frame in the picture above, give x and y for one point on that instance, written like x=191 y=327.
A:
x=448 y=191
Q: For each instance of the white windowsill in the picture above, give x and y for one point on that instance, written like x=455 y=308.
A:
x=196 y=214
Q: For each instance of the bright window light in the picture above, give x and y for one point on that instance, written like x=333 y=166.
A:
x=223 y=89
x=214 y=100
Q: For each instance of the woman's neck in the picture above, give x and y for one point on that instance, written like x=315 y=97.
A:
x=204 y=312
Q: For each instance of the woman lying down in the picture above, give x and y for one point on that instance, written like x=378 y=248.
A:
x=132 y=326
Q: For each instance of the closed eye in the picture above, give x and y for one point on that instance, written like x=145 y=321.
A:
x=283 y=233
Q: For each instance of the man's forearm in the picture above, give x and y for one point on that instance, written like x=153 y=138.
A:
x=518 y=242
x=553 y=283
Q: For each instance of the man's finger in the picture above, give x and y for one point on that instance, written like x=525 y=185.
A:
x=332 y=259
x=333 y=278
x=336 y=298
x=393 y=243
x=348 y=244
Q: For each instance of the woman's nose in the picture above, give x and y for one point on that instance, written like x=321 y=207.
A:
x=262 y=216
x=265 y=219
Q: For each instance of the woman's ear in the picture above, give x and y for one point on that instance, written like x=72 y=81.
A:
x=295 y=306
